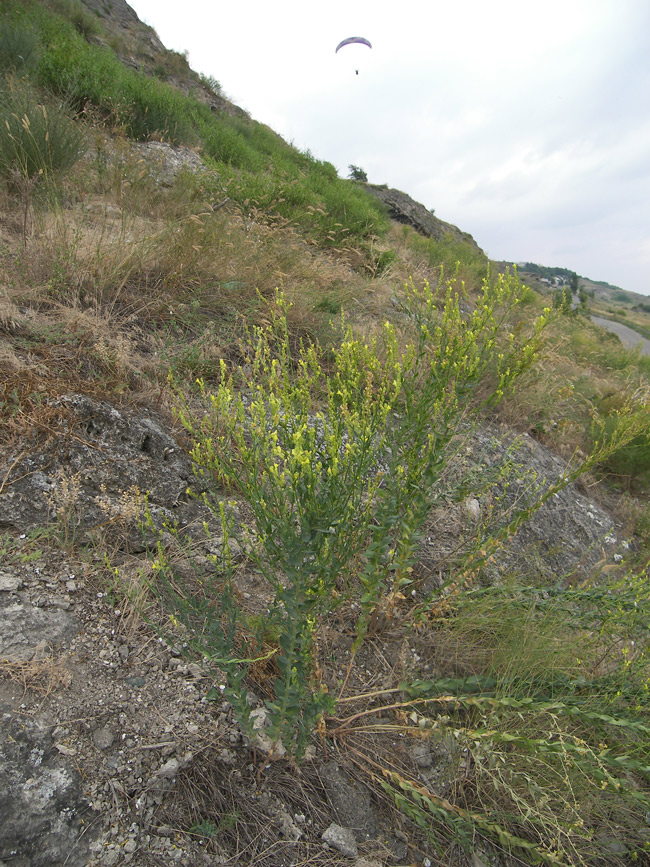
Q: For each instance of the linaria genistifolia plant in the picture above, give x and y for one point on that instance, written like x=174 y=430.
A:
x=338 y=461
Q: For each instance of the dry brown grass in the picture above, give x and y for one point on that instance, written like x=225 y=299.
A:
x=130 y=279
x=42 y=675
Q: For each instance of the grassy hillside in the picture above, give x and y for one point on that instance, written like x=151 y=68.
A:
x=338 y=413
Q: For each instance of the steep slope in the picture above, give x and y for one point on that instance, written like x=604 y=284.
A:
x=498 y=670
x=138 y=47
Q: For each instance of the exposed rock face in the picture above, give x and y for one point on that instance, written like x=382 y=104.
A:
x=121 y=13
x=141 y=49
x=95 y=472
x=166 y=161
x=25 y=627
x=567 y=536
x=404 y=209
x=41 y=805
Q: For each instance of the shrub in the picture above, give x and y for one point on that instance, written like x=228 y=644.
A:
x=37 y=139
x=211 y=83
x=340 y=468
x=356 y=173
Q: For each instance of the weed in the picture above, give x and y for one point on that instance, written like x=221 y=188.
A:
x=63 y=500
x=332 y=477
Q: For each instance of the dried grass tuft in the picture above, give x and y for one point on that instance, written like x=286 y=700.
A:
x=40 y=675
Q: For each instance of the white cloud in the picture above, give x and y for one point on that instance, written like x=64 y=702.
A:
x=525 y=124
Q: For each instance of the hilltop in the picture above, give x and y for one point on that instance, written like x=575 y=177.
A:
x=324 y=538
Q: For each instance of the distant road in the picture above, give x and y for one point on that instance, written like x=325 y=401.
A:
x=628 y=336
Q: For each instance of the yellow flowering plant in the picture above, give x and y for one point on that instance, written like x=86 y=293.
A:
x=337 y=459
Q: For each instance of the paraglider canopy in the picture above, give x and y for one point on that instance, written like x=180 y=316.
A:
x=351 y=40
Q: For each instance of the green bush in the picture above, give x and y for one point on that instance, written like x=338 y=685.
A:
x=211 y=83
x=226 y=144
x=37 y=139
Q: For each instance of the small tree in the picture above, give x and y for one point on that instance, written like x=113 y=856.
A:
x=356 y=173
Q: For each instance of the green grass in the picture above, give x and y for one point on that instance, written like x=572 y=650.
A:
x=37 y=139
x=262 y=171
x=18 y=46
x=450 y=254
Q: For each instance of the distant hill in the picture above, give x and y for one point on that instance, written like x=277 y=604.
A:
x=544 y=278
x=608 y=294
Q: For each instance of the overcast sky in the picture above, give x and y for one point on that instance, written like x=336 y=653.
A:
x=525 y=124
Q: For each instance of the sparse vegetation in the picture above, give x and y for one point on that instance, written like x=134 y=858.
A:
x=336 y=436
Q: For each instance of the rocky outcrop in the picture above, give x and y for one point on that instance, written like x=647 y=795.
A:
x=404 y=209
x=139 y=48
x=118 y=16
x=42 y=808
x=166 y=161
x=564 y=539
x=95 y=473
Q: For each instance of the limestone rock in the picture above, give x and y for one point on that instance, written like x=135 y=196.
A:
x=341 y=839
x=44 y=815
x=25 y=627
x=404 y=209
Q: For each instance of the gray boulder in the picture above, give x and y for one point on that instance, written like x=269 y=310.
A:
x=44 y=815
